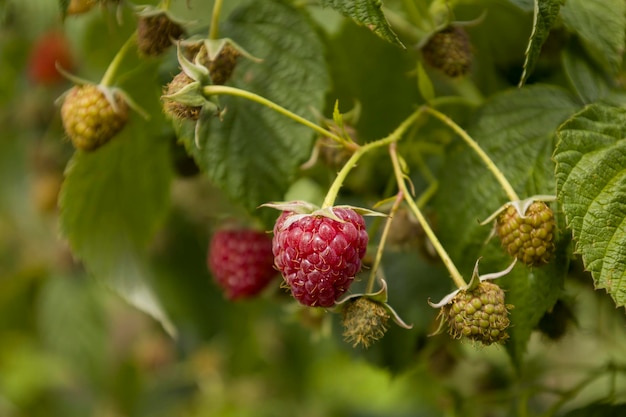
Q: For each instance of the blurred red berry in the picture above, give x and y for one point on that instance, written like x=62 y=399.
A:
x=48 y=50
x=241 y=261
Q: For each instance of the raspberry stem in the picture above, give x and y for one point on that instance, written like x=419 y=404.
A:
x=383 y=239
x=400 y=179
x=491 y=166
x=393 y=137
x=109 y=75
x=215 y=18
x=232 y=91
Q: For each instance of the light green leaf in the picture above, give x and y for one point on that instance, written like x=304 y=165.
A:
x=591 y=181
x=366 y=13
x=516 y=128
x=72 y=323
x=545 y=14
x=254 y=153
x=424 y=84
x=112 y=202
x=601 y=26
x=589 y=81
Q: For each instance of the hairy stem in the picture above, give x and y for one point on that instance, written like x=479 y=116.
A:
x=401 y=180
x=491 y=166
x=111 y=72
x=383 y=239
x=215 y=19
x=393 y=137
x=232 y=91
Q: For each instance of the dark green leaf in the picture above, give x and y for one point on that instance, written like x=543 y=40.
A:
x=254 y=153
x=366 y=13
x=516 y=128
x=601 y=26
x=589 y=82
x=591 y=184
x=545 y=14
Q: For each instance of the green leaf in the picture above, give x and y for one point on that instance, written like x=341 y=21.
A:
x=591 y=184
x=601 y=27
x=516 y=129
x=71 y=320
x=590 y=82
x=254 y=153
x=545 y=14
x=112 y=202
x=366 y=13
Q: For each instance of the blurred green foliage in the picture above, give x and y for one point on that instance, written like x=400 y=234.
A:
x=74 y=343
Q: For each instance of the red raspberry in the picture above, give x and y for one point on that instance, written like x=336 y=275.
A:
x=50 y=49
x=241 y=261
x=319 y=256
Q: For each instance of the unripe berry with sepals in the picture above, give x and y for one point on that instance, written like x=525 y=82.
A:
x=479 y=314
x=241 y=261
x=449 y=50
x=319 y=255
x=91 y=117
x=529 y=238
x=175 y=108
x=364 y=321
x=222 y=66
x=155 y=32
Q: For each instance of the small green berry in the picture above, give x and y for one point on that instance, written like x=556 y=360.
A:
x=449 y=51
x=479 y=314
x=364 y=321
x=90 y=119
x=530 y=238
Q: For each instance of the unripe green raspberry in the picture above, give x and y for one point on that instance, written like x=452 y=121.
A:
x=528 y=238
x=222 y=66
x=479 y=314
x=90 y=119
x=155 y=33
x=449 y=51
x=174 y=108
x=364 y=321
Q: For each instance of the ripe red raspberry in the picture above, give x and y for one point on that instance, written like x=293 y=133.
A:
x=319 y=256
x=241 y=261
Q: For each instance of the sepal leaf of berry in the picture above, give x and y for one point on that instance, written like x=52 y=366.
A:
x=254 y=153
x=591 y=184
x=474 y=282
x=516 y=128
x=366 y=13
x=546 y=13
x=601 y=27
